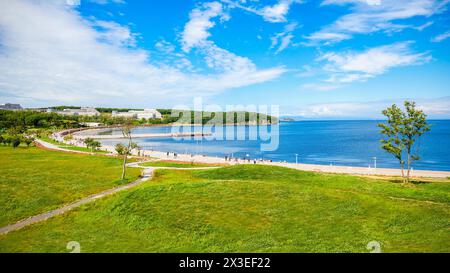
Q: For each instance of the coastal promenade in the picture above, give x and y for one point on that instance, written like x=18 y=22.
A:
x=302 y=167
x=160 y=135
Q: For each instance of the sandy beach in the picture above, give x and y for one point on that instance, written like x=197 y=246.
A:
x=195 y=158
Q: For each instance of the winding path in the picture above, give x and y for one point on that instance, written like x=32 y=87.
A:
x=147 y=175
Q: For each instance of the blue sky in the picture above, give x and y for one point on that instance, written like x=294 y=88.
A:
x=316 y=59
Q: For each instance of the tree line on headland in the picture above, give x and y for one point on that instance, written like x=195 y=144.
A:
x=18 y=127
x=34 y=119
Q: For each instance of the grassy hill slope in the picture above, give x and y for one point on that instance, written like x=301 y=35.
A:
x=251 y=209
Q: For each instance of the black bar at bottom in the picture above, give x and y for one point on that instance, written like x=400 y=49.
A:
x=244 y=262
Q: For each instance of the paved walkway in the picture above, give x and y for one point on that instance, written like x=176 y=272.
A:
x=51 y=146
x=302 y=167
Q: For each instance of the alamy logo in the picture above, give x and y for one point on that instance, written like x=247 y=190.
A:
x=74 y=246
x=218 y=124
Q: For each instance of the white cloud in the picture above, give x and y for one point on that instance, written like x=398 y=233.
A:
x=114 y=33
x=358 y=66
x=277 y=12
x=434 y=108
x=319 y=87
x=283 y=39
x=343 y=2
x=165 y=46
x=373 y=16
x=104 y=2
x=50 y=54
x=271 y=13
x=196 y=34
x=441 y=37
x=200 y=21
x=332 y=110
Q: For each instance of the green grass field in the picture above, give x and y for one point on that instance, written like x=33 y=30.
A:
x=251 y=209
x=33 y=181
x=175 y=164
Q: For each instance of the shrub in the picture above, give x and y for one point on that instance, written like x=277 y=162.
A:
x=15 y=141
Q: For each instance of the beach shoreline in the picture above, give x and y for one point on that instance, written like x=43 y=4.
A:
x=196 y=158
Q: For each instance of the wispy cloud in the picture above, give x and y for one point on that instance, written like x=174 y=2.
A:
x=346 y=67
x=277 y=12
x=196 y=31
x=435 y=108
x=67 y=58
x=196 y=35
x=104 y=2
x=441 y=37
x=319 y=86
x=368 y=16
x=271 y=13
x=283 y=39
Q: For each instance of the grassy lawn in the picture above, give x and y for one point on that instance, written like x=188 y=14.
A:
x=176 y=164
x=33 y=181
x=251 y=209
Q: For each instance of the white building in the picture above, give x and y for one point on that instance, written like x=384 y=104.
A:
x=83 y=111
x=92 y=124
x=145 y=114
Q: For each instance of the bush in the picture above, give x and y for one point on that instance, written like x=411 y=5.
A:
x=15 y=141
x=28 y=141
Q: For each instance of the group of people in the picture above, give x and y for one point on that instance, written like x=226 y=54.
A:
x=248 y=160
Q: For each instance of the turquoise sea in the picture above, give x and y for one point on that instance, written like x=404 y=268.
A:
x=348 y=143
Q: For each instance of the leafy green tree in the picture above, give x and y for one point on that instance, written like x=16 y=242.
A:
x=402 y=130
x=28 y=141
x=120 y=148
x=7 y=140
x=15 y=141
x=95 y=145
x=88 y=142
x=2 y=140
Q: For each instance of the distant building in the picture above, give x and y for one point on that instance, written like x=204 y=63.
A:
x=145 y=114
x=92 y=124
x=10 y=106
x=83 y=111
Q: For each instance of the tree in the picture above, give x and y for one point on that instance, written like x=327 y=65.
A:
x=15 y=141
x=92 y=144
x=126 y=132
x=88 y=142
x=28 y=141
x=120 y=148
x=2 y=140
x=95 y=145
x=402 y=131
x=7 y=140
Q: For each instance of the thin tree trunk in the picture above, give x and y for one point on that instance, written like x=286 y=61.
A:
x=409 y=167
x=402 y=166
x=124 y=168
